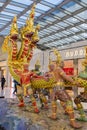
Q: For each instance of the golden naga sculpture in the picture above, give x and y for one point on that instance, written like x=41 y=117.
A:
x=17 y=56
x=29 y=38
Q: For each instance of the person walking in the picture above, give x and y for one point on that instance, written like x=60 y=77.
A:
x=15 y=86
x=3 y=80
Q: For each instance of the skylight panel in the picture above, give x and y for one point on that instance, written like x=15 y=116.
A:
x=49 y=18
x=3 y=22
x=84 y=35
x=19 y=22
x=47 y=4
x=1 y=25
x=18 y=4
x=75 y=29
x=58 y=13
x=40 y=11
x=84 y=26
x=85 y=1
x=1 y=4
x=6 y=19
x=66 y=32
x=53 y=27
x=55 y=2
x=23 y=17
x=83 y=14
x=76 y=37
x=63 y=24
x=37 y=14
x=2 y=1
x=71 y=6
x=14 y=7
x=42 y=7
x=26 y=2
x=6 y=16
x=15 y=12
x=7 y=13
x=73 y=20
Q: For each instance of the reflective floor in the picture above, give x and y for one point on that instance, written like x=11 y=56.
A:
x=14 y=118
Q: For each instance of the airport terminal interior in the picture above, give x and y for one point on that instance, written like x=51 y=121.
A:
x=43 y=64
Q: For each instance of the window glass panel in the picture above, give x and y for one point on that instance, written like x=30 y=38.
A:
x=39 y=11
x=27 y=2
x=3 y=1
x=4 y=19
x=71 y=6
x=85 y=1
x=76 y=37
x=72 y=20
x=84 y=35
x=63 y=24
x=20 y=22
x=42 y=7
x=1 y=25
x=55 y=2
x=47 y=4
x=14 y=7
x=49 y=18
x=75 y=29
x=11 y=11
x=42 y=23
x=84 y=26
x=23 y=17
x=37 y=14
x=1 y=4
x=66 y=32
x=3 y=22
x=18 y=4
x=59 y=14
x=5 y=16
x=83 y=15
x=7 y=13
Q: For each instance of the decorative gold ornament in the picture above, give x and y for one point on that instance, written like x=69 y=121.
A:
x=14 y=27
x=58 y=56
x=29 y=26
x=5 y=44
x=35 y=37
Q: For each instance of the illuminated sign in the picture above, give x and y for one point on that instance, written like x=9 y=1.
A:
x=75 y=53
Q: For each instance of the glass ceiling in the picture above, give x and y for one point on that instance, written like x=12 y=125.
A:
x=62 y=21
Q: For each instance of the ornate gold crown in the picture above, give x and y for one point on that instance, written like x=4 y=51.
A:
x=14 y=27
x=29 y=26
x=35 y=37
x=58 y=56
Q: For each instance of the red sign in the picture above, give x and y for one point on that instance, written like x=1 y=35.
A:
x=69 y=71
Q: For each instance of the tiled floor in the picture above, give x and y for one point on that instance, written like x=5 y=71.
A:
x=25 y=119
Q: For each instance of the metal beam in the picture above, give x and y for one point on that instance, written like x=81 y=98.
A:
x=69 y=36
x=19 y=15
x=60 y=30
x=80 y=3
x=64 y=18
x=66 y=44
x=52 y=9
x=4 y=5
